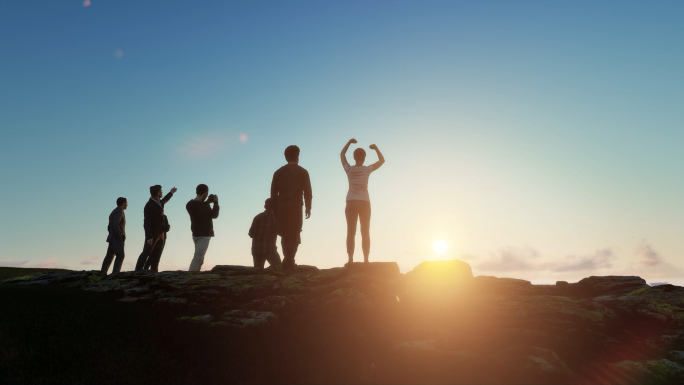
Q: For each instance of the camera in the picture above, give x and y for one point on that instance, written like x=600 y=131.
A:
x=211 y=198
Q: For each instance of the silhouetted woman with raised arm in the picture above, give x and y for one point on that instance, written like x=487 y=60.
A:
x=358 y=201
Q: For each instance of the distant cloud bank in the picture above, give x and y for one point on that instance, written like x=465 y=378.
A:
x=47 y=263
x=649 y=257
x=524 y=259
x=649 y=263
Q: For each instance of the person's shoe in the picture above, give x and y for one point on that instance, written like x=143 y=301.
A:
x=289 y=267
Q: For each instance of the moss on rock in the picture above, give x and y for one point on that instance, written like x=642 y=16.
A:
x=653 y=372
x=667 y=308
x=28 y=277
x=95 y=278
x=643 y=290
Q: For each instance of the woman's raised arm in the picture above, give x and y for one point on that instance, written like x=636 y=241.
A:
x=343 y=154
x=381 y=158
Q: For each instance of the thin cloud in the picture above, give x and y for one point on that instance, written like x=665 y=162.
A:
x=50 y=262
x=511 y=259
x=6 y=263
x=90 y=261
x=525 y=259
x=467 y=257
x=653 y=266
x=599 y=260
x=649 y=257
x=203 y=146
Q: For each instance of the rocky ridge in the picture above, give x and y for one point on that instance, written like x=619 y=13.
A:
x=435 y=324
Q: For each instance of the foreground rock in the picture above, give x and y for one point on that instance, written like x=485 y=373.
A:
x=436 y=324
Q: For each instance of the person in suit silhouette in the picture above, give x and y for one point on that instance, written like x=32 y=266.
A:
x=290 y=183
x=358 y=207
x=156 y=225
x=116 y=237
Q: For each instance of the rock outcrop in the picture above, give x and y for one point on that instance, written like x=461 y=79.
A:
x=435 y=324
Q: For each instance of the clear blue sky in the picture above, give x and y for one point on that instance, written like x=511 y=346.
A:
x=540 y=140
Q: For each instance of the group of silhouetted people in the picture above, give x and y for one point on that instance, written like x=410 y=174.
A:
x=290 y=191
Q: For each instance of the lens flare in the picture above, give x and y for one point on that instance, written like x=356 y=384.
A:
x=118 y=54
x=440 y=246
x=86 y=3
x=243 y=138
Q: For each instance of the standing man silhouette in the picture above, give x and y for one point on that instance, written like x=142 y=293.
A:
x=156 y=226
x=116 y=237
x=289 y=184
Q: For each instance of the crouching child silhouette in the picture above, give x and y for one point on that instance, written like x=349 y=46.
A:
x=264 y=232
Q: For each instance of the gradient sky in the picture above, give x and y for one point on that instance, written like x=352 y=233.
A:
x=541 y=140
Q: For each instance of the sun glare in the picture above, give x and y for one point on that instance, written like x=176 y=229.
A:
x=440 y=246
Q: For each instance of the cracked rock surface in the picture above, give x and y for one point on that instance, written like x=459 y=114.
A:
x=437 y=323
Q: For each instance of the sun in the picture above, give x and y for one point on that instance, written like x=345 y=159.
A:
x=440 y=246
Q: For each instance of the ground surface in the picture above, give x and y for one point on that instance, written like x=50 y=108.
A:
x=53 y=334
x=362 y=324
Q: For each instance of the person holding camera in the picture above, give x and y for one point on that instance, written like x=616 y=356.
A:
x=201 y=222
x=156 y=226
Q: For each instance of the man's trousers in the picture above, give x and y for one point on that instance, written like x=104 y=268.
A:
x=150 y=256
x=201 y=246
x=116 y=247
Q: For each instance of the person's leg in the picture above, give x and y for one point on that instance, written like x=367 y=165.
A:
x=119 y=251
x=290 y=245
x=273 y=259
x=255 y=257
x=351 y=213
x=153 y=252
x=144 y=256
x=287 y=255
x=364 y=218
x=259 y=259
x=108 y=258
x=151 y=255
x=297 y=232
x=156 y=254
x=201 y=246
x=290 y=236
